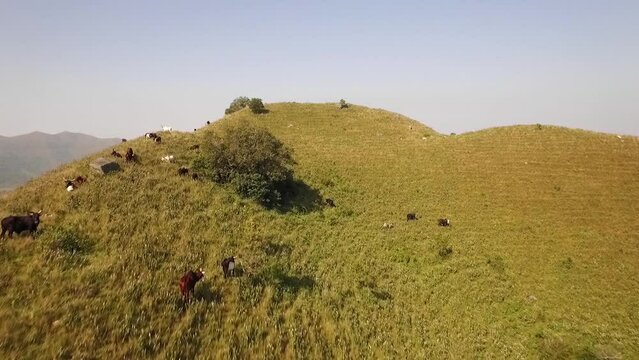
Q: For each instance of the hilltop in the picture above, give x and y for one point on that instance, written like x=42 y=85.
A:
x=544 y=248
x=26 y=156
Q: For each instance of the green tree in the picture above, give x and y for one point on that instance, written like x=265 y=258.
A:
x=257 y=106
x=255 y=163
x=237 y=104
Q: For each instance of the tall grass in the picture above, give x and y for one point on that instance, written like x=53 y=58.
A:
x=100 y=280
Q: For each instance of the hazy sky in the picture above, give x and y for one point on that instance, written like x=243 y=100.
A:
x=121 y=68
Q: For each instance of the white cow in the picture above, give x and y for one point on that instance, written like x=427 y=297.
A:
x=167 y=158
x=166 y=128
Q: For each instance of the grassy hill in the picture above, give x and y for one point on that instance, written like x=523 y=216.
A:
x=544 y=243
x=26 y=156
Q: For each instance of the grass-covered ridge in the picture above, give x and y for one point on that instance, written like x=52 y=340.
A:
x=544 y=236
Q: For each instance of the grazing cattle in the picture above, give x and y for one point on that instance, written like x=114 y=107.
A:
x=123 y=140
x=158 y=139
x=194 y=147
x=150 y=135
x=166 y=128
x=130 y=156
x=387 y=226
x=411 y=216
x=194 y=129
x=71 y=185
x=330 y=203
x=228 y=266
x=79 y=180
x=183 y=171
x=208 y=123
x=187 y=283
x=17 y=224
x=116 y=154
x=443 y=222
x=167 y=158
x=195 y=176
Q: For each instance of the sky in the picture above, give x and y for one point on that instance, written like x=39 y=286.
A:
x=122 y=68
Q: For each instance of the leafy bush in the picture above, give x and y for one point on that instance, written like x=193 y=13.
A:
x=257 y=106
x=249 y=158
x=237 y=104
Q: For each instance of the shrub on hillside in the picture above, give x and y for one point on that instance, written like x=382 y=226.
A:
x=343 y=104
x=257 y=106
x=237 y=104
x=253 y=161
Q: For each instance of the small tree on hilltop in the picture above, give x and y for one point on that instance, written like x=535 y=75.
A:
x=257 y=106
x=237 y=104
x=255 y=163
x=343 y=104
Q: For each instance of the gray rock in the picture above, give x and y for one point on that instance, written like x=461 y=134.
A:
x=104 y=166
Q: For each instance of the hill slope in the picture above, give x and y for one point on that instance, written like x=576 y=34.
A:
x=26 y=156
x=544 y=249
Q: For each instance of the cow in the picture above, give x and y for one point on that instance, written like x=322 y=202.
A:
x=71 y=185
x=194 y=130
x=167 y=128
x=194 y=147
x=150 y=135
x=195 y=176
x=187 y=283
x=167 y=158
x=387 y=226
x=411 y=216
x=116 y=154
x=330 y=203
x=19 y=224
x=228 y=267
x=443 y=222
x=158 y=139
x=208 y=122
x=183 y=171
x=123 y=140
x=130 y=156
x=79 y=180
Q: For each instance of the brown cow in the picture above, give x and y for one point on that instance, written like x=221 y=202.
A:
x=411 y=216
x=130 y=156
x=183 y=171
x=187 y=283
x=116 y=154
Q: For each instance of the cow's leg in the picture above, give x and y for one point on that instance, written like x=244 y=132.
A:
x=10 y=233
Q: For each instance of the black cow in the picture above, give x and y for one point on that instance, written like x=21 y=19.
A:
x=116 y=154
x=443 y=222
x=183 y=171
x=19 y=224
x=195 y=176
x=123 y=140
x=150 y=135
x=187 y=283
x=158 y=139
x=411 y=216
x=228 y=266
x=208 y=123
x=194 y=147
x=330 y=203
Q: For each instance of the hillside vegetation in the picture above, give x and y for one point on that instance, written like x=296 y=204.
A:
x=544 y=241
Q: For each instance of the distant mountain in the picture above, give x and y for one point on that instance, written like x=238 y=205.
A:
x=26 y=156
